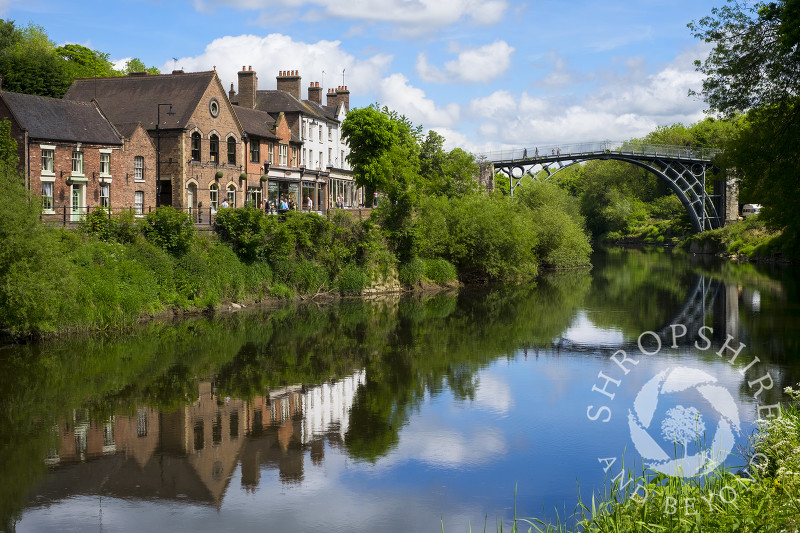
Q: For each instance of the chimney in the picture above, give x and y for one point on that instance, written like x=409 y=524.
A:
x=315 y=93
x=248 y=86
x=332 y=98
x=343 y=96
x=289 y=82
x=232 y=94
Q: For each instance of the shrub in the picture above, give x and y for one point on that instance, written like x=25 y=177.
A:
x=279 y=290
x=440 y=271
x=411 y=272
x=353 y=280
x=243 y=227
x=99 y=224
x=170 y=229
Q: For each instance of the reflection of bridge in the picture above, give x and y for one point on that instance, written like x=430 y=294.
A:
x=683 y=169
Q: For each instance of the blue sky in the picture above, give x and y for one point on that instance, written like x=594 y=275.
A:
x=485 y=74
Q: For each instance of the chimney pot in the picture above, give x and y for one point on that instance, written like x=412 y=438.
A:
x=250 y=67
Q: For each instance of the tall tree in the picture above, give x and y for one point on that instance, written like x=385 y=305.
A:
x=82 y=62
x=29 y=63
x=754 y=67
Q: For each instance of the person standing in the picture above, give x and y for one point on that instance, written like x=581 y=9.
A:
x=309 y=204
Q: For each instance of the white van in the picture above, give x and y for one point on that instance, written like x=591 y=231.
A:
x=749 y=210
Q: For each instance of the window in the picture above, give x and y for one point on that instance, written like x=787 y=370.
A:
x=342 y=159
x=330 y=134
x=294 y=156
x=213 y=147
x=231 y=196
x=321 y=162
x=104 y=195
x=303 y=136
x=138 y=168
x=310 y=133
x=138 y=202
x=283 y=155
x=320 y=133
x=231 y=150
x=213 y=194
x=271 y=155
x=254 y=196
x=47 y=196
x=105 y=163
x=330 y=155
x=77 y=162
x=305 y=157
x=195 y=146
x=255 y=149
x=141 y=422
x=47 y=161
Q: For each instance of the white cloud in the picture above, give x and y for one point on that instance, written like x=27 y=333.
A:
x=414 y=15
x=622 y=106
x=396 y=93
x=275 y=52
x=474 y=65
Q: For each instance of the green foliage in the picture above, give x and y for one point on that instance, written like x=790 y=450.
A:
x=754 y=67
x=29 y=63
x=440 y=271
x=353 y=280
x=412 y=271
x=242 y=227
x=485 y=237
x=170 y=229
x=9 y=157
x=82 y=62
x=136 y=65
x=98 y=223
x=446 y=174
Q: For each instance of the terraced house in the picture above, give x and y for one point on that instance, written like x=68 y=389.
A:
x=323 y=173
x=69 y=152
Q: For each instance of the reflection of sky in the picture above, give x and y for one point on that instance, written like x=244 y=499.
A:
x=582 y=331
x=456 y=461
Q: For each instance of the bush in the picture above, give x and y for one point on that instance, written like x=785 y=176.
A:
x=440 y=271
x=99 y=224
x=170 y=229
x=243 y=227
x=353 y=280
x=411 y=272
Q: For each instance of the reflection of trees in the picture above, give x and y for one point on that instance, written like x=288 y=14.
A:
x=636 y=290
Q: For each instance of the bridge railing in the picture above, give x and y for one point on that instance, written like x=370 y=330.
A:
x=567 y=151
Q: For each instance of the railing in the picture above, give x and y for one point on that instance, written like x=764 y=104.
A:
x=65 y=217
x=574 y=151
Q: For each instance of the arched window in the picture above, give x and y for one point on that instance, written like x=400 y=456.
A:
x=195 y=146
x=213 y=146
x=213 y=193
x=231 y=195
x=232 y=150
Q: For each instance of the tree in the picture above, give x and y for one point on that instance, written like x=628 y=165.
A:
x=755 y=61
x=384 y=155
x=137 y=65
x=754 y=67
x=82 y=62
x=29 y=63
x=448 y=174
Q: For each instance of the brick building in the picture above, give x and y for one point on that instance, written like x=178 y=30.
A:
x=199 y=141
x=325 y=175
x=69 y=153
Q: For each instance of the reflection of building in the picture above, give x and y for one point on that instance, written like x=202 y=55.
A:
x=191 y=453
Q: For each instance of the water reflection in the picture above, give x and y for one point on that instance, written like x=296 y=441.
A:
x=440 y=404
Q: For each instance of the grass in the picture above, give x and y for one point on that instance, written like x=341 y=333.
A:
x=765 y=498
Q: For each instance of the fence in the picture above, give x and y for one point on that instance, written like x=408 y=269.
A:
x=66 y=216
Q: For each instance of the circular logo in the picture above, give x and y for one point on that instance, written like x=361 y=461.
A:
x=658 y=420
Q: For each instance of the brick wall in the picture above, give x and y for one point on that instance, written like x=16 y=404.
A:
x=138 y=144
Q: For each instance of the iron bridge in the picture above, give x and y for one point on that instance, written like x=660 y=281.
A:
x=684 y=170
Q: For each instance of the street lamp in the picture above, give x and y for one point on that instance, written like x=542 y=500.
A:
x=158 y=149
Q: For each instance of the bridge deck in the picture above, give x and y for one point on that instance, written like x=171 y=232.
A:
x=595 y=150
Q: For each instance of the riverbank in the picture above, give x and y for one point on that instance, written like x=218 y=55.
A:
x=762 y=497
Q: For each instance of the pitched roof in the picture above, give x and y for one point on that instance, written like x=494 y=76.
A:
x=135 y=98
x=60 y=120
x=255 y=122
x=274 y=101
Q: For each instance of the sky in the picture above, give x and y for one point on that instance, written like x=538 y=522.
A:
x=485 y=74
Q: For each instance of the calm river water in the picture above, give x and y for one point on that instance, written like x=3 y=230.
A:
x=403 y=415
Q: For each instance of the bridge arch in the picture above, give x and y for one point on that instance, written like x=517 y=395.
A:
x=683 y=170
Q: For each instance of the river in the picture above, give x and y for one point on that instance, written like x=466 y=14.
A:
x=398 y=414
